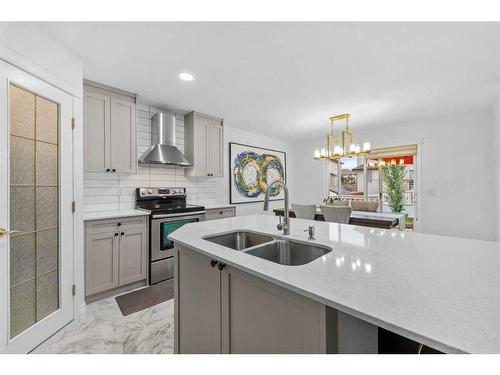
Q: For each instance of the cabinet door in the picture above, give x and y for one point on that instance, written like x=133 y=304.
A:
x=197 y=303
x=96 y=132
x=260 y=317
x=200 y=161
x=101 y=262
x=215 y=149
x=133 y=256
x=123 y=137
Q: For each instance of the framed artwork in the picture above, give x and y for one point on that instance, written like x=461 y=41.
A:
x=251 y=169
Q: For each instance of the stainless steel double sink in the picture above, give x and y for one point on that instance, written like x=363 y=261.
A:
x=277 y=250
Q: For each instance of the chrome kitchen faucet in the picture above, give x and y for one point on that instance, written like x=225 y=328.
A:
x=286 y=219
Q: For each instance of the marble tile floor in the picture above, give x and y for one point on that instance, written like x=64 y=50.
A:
x=102 y=329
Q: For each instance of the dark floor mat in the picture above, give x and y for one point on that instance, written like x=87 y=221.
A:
x=142 y=299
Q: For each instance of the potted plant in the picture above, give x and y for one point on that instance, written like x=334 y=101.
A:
x=395 y=186
x=333 y=199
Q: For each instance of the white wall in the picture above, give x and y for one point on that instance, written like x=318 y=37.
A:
x=253 y=139
x=496 y=159
x=458 y=196
x=310 y=183
x=25 y=45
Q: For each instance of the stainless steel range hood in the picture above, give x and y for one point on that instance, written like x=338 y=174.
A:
x=163 y=149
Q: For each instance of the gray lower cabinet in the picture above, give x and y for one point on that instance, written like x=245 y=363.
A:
x=231 y=311
x=133 y=256
x=220 y=213
x=197 y=303
x=260 y=317
x=101 y=262
x=116 y=253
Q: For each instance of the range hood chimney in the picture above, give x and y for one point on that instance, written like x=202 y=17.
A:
x=163 y=149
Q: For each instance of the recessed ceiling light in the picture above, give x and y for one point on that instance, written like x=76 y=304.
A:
x=186 y=76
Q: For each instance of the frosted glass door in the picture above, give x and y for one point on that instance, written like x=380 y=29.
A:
x=34 y=248
x=36 y=219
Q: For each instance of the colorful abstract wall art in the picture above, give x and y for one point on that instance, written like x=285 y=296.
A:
x=251 y=170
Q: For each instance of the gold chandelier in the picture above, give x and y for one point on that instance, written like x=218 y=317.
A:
x=340 y=150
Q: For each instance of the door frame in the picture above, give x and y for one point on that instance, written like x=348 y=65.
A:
x=417 y=162
x=37 y=333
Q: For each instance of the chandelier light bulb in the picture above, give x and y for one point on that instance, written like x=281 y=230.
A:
x=344 y=147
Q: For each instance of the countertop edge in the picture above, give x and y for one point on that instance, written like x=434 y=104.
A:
x=103 y=215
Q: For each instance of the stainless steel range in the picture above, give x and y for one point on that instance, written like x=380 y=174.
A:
x=169 y=212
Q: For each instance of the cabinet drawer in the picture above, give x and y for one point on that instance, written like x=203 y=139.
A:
x=220 y=213
x=162 y=269
x=112 y=225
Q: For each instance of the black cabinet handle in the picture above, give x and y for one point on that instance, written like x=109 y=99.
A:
x=213 y=263
x=221 y=266
x=119 y=224
x=122 y=233
x=114 y=170
x=116 y=234
x=107 y=170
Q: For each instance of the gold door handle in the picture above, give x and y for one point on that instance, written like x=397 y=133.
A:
x=4 y=231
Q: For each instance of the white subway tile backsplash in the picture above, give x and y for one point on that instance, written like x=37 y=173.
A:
x=96 y=191
x=108 y=191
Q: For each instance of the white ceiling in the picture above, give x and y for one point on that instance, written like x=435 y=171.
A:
x=285 y=79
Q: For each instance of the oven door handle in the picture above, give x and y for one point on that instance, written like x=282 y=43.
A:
x=184 y=214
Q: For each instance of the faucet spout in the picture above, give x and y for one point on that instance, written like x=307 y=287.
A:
x=286 y=220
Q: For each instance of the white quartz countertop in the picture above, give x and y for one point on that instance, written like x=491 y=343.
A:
x=443 y=292
x=87 y=216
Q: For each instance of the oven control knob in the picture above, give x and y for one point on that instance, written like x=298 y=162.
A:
x=150 y=191
x=143 y=192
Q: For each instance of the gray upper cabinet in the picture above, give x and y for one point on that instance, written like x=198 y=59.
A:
x=96 y=131
x=109 y=131
x=123 y=136
x=204 y=139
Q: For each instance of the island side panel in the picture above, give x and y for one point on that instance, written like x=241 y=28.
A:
x=260 y=317
x=356 y=336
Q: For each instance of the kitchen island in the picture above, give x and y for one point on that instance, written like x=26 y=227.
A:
x=439 y=291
